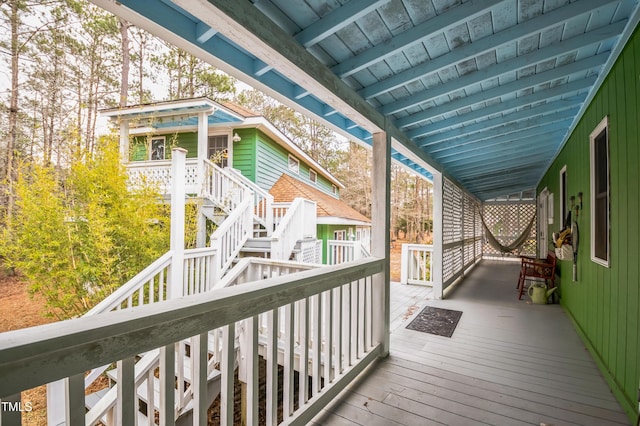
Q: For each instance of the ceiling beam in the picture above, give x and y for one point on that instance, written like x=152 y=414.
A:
x=520 y=102
x=506 y=89
x=463 y=145
x=539 y=112
x=479 y=47
x=531 y=146
x=337 y=19
x=516 y=183
x=421 y=32
x=465 y=172
x=518 y=63
x=251 y=30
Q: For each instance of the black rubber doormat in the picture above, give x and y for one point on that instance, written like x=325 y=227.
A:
x=441 y=322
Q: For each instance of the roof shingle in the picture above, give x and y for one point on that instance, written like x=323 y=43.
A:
x=287 y=188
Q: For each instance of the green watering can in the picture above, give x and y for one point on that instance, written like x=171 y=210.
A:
x=539 y=294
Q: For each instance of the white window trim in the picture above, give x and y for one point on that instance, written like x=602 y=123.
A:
x=315 y=174
x=603 y=125
x=334 y=189
x=297 y=168
x=563 y=190
x=229 y=145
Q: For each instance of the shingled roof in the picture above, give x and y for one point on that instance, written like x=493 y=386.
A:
x=241 y=110
x=287 y=188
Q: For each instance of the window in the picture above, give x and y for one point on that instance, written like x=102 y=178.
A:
x=218 y=150
x=334 y=189
x=599 y=142
x=563 y=197
x=294 y=164
x=158 y=148
x=340 y=235
x=313 y=176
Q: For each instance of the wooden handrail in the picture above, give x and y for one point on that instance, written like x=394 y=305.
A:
x=38 y=355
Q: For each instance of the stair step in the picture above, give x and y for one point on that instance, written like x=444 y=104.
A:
x=262 y=243
x=92 y=399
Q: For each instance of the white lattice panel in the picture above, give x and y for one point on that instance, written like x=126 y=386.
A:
x=452 y=213
x=461 y=233
x=507 y=222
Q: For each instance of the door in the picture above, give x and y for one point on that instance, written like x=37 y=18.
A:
x=543 y=223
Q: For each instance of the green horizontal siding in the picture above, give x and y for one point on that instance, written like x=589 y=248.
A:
x=244 y=153
x=604 y=302
x=272 y=160
x=139 y=149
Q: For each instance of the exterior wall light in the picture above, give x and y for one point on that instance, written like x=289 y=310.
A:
x=236 y=137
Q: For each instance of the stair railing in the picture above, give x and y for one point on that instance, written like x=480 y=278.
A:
x=341 y=317
x=223 y=188
x=294 y=226
x=231 y=235
x=263 y=201
x=146 y=288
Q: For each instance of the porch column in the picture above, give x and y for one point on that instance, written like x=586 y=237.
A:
x=203 y=142
x=179 y=157
x=380 y=231
x=436 y=264
x=124 y=141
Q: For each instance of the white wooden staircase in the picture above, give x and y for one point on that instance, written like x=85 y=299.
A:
x=247 y=221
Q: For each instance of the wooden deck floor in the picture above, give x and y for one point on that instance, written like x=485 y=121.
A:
x=508 y=362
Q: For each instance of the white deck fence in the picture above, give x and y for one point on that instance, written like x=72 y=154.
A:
x=416 y=264
x=331 y=309
x=340 y=251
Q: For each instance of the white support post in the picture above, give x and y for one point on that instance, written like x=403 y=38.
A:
x=203 y=148
x=179 y=156
x=380 y=213
x=436 y=260
x=124 y=141
x=404 y=264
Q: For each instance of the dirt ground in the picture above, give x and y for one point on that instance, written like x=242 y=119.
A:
x=396 y=249
x=18 y=310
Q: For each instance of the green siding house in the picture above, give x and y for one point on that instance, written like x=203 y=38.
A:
x=599 y=167
x=234 y=137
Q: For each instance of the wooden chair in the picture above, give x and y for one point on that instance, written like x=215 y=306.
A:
x=531 y=267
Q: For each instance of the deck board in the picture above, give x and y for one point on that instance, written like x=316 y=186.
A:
x=509 y=362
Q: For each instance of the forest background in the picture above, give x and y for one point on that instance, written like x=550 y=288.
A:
x=65 y=60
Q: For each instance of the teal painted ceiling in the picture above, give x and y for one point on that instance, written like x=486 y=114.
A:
x=488 y=90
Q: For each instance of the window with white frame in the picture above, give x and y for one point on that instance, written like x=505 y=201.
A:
x=313 y=176
x=218 y=150
x=599 y=143
x=294 y=164
x=158 y=148
x=340 y=235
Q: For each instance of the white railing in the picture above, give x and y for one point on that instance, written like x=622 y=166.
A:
x=294 y=226
x=158 y=174
x=147 y=287
x=231 y=235
x=310 y=252
x=338 y=337
x=279 y=211
x=223 y=188
x=340 y=251
x=252 y=269
x=416 y=264
x=200 y=270
x=263 y=201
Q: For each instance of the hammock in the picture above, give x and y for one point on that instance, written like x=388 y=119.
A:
x=515 y=245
